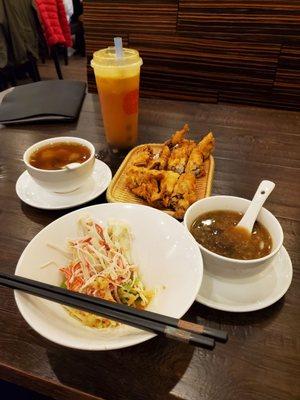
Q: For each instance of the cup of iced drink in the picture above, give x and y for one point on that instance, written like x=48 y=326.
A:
x=118 y=80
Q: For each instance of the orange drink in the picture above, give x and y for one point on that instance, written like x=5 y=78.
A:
x=118 y=89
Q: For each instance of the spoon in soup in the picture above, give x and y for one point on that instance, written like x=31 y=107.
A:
x=262 y=193
x=71 y=166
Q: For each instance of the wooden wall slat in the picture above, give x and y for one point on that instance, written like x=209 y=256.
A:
x=275 y=20
x=206 y=50
x=288 y=71
x=131 y=15
x=191 y=67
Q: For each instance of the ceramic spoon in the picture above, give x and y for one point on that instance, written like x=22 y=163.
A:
x=71 y=166
x=262 y=193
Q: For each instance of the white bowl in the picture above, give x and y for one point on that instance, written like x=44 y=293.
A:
x=229 y=267
x=63 y=180
x=169 y=261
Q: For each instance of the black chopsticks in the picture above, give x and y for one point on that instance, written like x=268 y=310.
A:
x=188 y=332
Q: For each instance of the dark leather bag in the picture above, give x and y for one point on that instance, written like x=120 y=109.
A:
x=44 y=101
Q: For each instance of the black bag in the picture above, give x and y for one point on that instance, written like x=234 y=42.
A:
x=44 y=101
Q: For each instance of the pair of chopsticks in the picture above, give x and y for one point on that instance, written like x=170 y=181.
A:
x=189 y=332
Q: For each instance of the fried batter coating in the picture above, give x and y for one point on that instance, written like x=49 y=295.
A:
x=156 y=187
x=161 y=161
x=143 y=156
x=167 y=185
x=180 y=155
x=202 y=151
x=144 y=183
x=178 y=136
x=184 y=194
x=207 y=145
x=195 y=163
x=168 y=180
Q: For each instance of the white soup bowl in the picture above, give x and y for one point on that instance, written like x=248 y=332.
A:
x=60 y=180
x=230 y=267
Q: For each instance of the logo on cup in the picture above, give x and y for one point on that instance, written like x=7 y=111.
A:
x=130 y=102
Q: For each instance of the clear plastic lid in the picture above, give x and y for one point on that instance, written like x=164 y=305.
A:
x=107 y=58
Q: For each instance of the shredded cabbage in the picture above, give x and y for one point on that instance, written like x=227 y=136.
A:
x=101 y=266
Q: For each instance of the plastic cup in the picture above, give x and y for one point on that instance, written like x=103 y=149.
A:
x=118 y=82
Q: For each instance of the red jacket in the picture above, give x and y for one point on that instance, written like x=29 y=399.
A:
x=53 y=18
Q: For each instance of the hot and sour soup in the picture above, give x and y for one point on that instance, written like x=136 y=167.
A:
x=57 y=155
x=217 y=231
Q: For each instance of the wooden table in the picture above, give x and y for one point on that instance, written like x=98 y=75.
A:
x=260 y=359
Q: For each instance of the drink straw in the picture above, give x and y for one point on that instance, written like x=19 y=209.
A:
x=118 y=47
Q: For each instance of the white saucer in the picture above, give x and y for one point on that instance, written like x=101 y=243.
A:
x=248 y=293
x=34 y=195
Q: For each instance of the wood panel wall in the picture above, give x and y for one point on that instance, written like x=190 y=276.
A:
x=241 y=51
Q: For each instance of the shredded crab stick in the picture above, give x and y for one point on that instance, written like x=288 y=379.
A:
x=101 y=266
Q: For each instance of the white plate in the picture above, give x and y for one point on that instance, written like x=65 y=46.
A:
x=248 y=293
x=169 y=261
x=34 y=195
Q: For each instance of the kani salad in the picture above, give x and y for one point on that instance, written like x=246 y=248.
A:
x=101 y=265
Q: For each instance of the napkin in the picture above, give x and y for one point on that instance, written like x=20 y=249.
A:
x=51 y=101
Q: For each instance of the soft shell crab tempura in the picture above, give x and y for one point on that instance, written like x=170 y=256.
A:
x=167 y=180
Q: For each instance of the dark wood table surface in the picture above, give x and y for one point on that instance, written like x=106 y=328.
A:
x=260 y=360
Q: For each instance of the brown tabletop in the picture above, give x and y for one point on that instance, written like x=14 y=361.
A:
x=260 y=360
